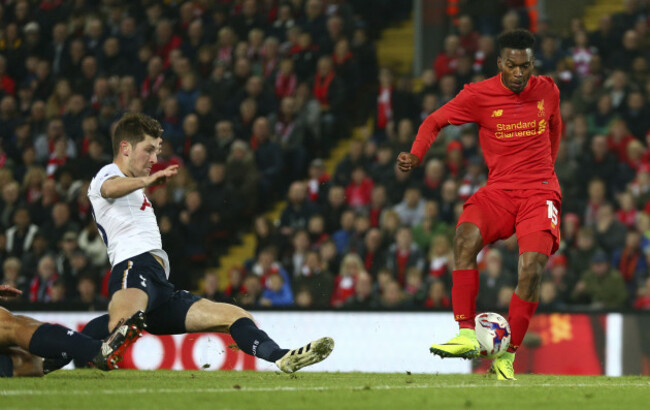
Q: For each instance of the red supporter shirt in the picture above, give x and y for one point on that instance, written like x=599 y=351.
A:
x=519 y=133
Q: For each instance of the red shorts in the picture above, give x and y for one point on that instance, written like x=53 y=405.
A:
x=499 y=213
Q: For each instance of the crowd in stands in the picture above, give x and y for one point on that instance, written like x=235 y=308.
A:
x=253 y=94
x=248 y=92
x=369 y=236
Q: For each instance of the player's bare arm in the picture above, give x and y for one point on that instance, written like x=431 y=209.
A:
x=120 y=186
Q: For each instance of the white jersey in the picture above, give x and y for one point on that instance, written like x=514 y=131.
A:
x=128 y=224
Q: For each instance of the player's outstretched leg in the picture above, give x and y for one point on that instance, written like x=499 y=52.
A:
x=208 y=316
x=95 y=329
x=54 y=341
x=467 y=244
x=256 y=342
x=124 y=335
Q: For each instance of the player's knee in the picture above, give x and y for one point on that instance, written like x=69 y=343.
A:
x=244 y=314
x=237 y=313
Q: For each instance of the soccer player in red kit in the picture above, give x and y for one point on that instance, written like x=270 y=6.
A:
x=519 y=123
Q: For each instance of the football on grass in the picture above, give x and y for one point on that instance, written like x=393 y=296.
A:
x=493 y=334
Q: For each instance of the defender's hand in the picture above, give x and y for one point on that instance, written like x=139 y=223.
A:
x=407 y=161
x=7 y=291
x=161 y=176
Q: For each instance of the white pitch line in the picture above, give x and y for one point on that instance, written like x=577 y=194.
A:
x=300 y=389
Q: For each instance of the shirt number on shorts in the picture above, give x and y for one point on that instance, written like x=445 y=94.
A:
x=552 y=212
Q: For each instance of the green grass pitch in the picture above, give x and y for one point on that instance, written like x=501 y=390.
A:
x=92 y=389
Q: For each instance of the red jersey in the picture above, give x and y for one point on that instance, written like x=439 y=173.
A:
x=519 y=133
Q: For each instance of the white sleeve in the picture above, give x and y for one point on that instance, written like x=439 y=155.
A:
x=104 y=174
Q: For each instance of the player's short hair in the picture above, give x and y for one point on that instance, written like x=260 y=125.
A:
x=518 y=39
x=133 y=127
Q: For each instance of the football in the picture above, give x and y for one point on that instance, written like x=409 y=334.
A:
x=493 y=334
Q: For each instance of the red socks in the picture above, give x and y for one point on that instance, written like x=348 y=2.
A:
x=519 y=317
x=463 y=296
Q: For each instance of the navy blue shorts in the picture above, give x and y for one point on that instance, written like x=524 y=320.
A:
x=6 y=366
x=167 y=308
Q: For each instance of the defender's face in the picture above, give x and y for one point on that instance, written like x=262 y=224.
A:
x=144 y=155
x=516 y=67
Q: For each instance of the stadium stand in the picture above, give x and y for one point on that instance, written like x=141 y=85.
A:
x=255 y=95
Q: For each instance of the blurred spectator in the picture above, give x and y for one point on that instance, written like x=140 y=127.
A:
x=319 y=182
x=334 y=208
x=415 y=288
x=87 y=290
x=277 y=291
x=411 y=209
x=610 y=233
x=21 y=235
x=642 y=300
x=359 y=189
x=392 y=296
x=268 y=157
x=561 y=278
x=252 y=290
x=548 y=297
x=40 y=288
x=363 y=297
x=353 y=159
x=437 y=296
x=372 y=252
x=597 y=193
x=296 y=257
x=449 y=198
x=403 y=254
x=314 y=278
x=12 y=275
x=345 y=282
x=57 y=292
x=242 y=175
x=446 y=62
x=317 y=233
x=343 y=236
x=441 y=259
x=630 y=261
x=298 y=211
x=211 y=288
x=492 y=280
x=600 y=287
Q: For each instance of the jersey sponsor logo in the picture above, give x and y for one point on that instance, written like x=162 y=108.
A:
x=516 y=130
x=540 y=109
x=541 y=127
x=497 y=113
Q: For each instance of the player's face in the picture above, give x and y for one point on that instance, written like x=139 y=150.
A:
x=144 y=155
x=516 y=67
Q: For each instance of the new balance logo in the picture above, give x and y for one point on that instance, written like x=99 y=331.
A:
x=497 y=113
x=70 y=332
x=144 y=281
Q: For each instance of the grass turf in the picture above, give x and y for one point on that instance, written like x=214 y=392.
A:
x=267 y=390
